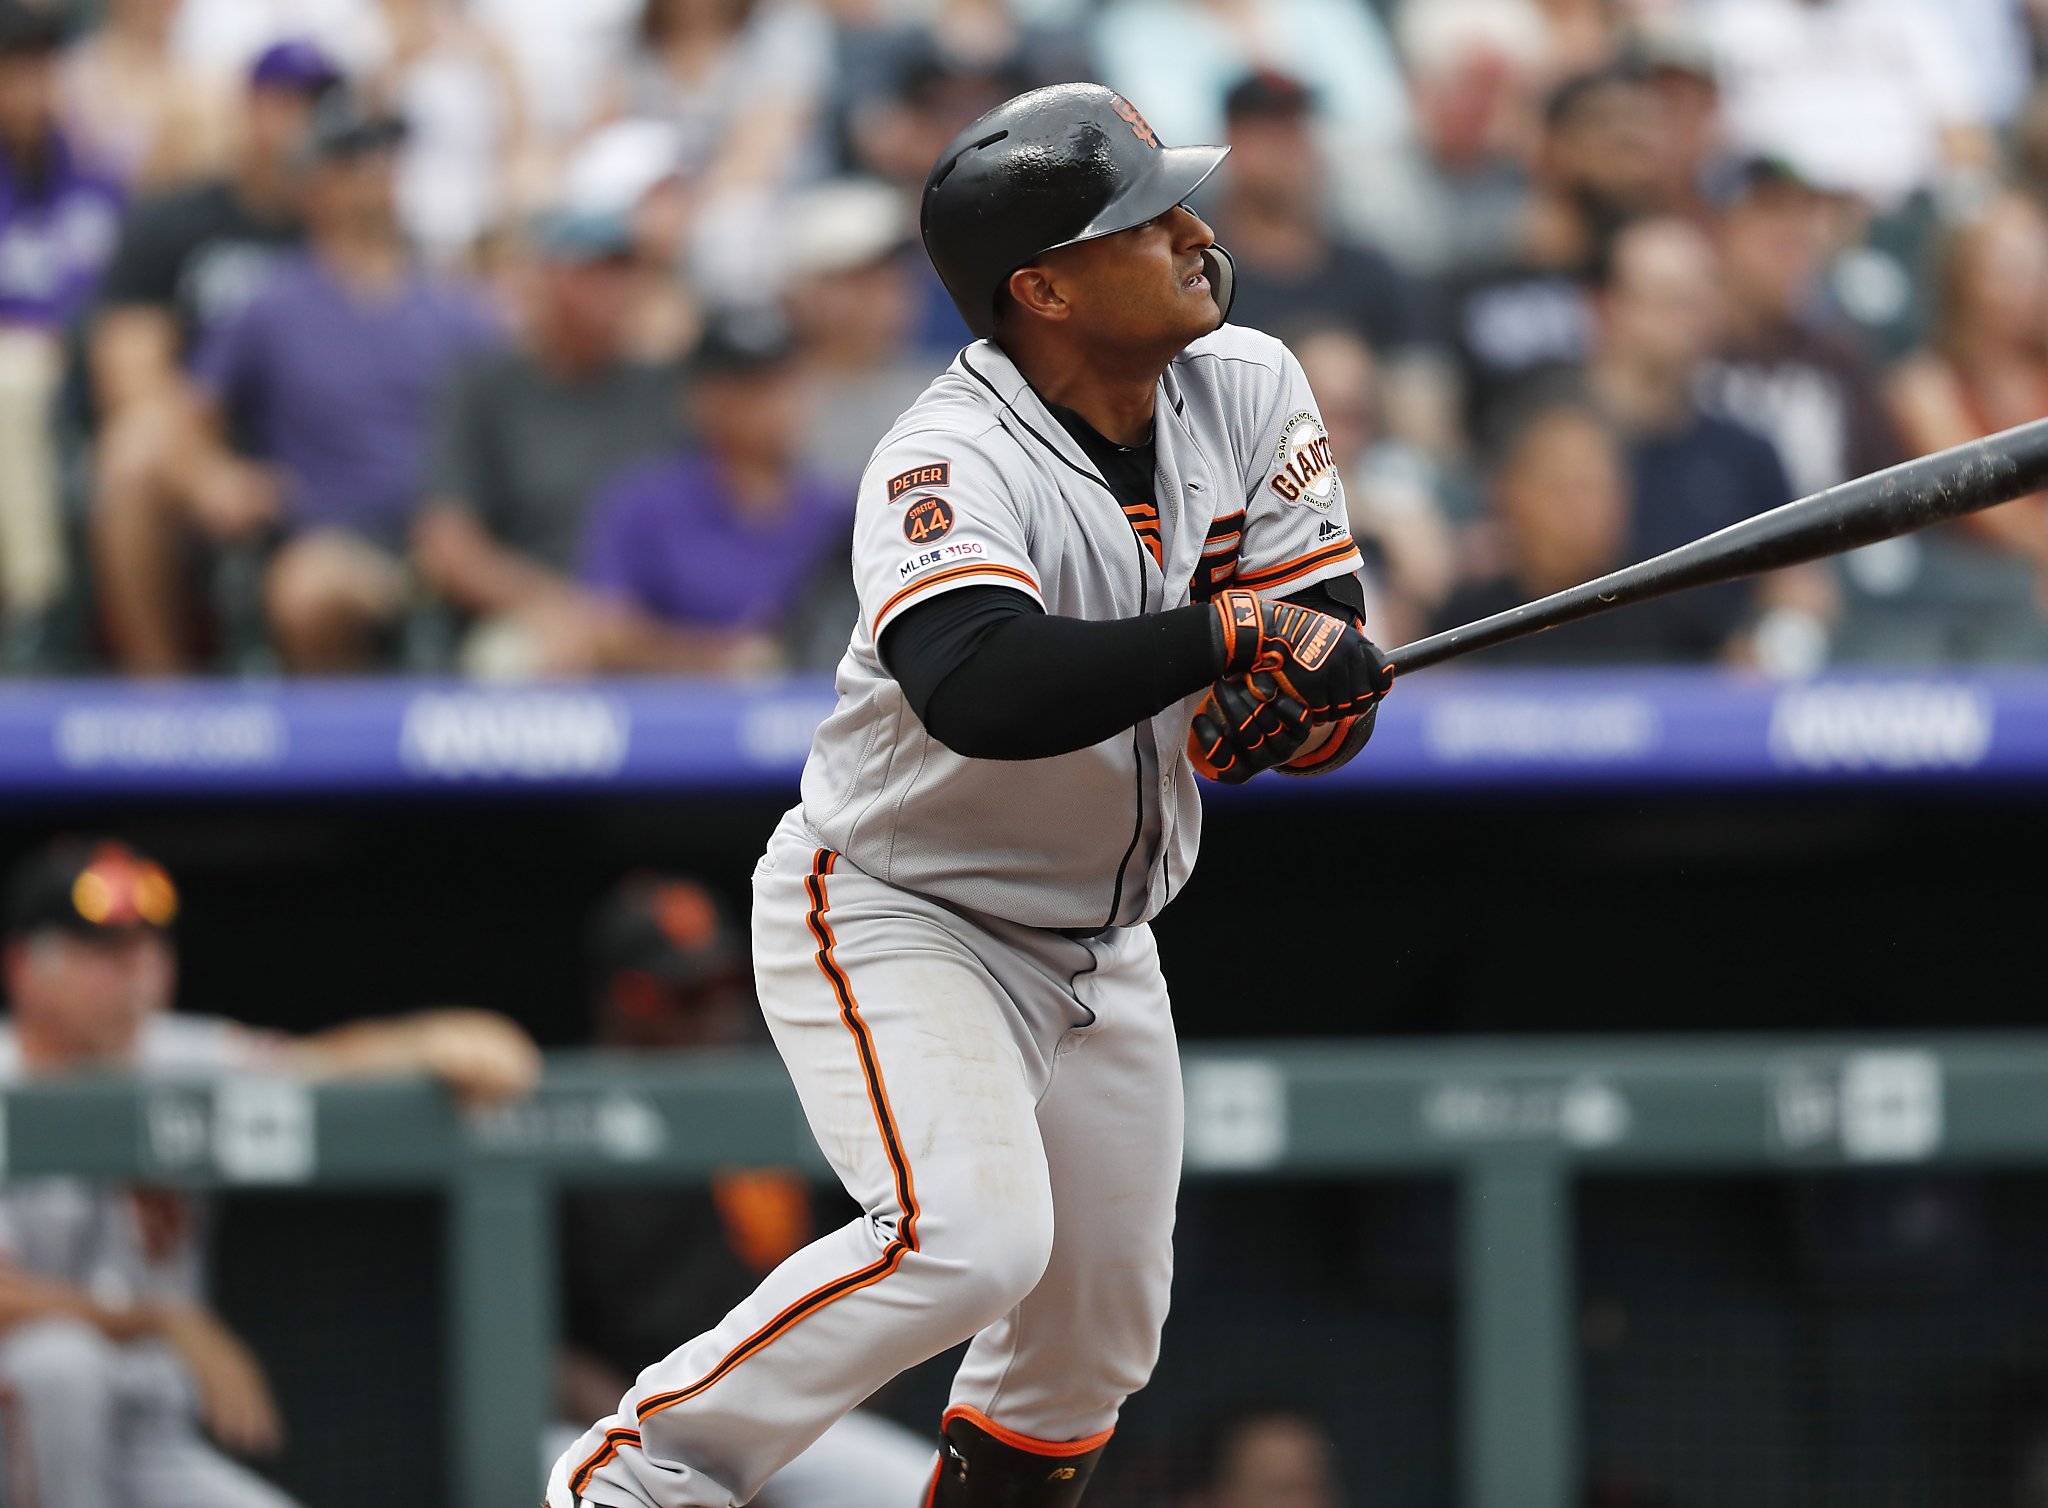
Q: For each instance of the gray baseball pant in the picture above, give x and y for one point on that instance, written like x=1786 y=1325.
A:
x=1005 y=1104
x=93 y=1424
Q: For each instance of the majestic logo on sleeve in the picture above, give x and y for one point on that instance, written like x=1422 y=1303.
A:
x=928 y=520
x=1308 y=472
x=932 y=474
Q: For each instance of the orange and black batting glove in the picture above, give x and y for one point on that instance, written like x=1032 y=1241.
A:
x=1323 y=663
x=1244 y=725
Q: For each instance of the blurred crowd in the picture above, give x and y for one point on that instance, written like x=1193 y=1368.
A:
x=530 y=339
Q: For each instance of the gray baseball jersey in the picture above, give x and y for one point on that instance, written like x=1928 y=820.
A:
x=953 y=958
x=978 y=484
x=93 y=1424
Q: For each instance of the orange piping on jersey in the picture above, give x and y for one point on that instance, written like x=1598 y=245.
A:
x=954 y=573
x=904 y=1241
x=1009 y=1437
x=931 y=1493
x=601 y=1457
x=1267 y=577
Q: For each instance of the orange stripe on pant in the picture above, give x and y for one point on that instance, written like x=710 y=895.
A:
x=1053 y=1450
x=1050 y=1448
x=900 y=1245
x=601 y=1457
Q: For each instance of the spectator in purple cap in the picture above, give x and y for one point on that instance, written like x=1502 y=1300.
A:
x=186 y=263
x=718 y=546
x=333 y=368
x=58 y=216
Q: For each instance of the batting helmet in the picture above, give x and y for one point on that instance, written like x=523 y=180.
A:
x=1052 y=168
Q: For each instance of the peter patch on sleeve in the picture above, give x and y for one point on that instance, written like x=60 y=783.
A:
x=1305 y=470
x=931 y=474
x=926 y=527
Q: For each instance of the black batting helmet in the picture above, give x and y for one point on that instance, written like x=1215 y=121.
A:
x=1048 y=169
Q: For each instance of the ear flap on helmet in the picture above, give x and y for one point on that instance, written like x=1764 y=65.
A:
x=1221 y=271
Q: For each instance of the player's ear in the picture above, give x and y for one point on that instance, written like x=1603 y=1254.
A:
x=1035 y=292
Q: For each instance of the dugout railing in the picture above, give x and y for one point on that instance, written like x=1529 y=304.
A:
x=1512 y=1123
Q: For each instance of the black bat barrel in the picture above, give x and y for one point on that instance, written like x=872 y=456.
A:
x=1912 y=495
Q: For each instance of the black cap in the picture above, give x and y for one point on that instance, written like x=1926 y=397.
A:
x=1268 y=94
x=1051 y=168
x=1732 y=183
x=89 y=887
x=28 y=30
x=345 y=126
x=1564 y=101
x=671 y=929
x=741 y=342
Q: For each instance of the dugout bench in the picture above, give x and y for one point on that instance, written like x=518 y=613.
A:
x=1511 y=1123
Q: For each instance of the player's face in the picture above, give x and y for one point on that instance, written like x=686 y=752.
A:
x=1142 y=289
x=92 y=994
x=644 y=1012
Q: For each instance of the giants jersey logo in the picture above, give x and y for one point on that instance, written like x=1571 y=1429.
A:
x=1128 y=114
x=1308 y=472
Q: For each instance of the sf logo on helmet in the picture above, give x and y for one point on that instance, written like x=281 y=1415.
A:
x=1128 y=114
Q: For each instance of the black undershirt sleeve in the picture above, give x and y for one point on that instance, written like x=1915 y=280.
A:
x=992 y=676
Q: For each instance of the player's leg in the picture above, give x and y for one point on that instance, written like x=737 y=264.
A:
x=57 y=1382
x=1039 y=1391
x=163 y=1461
x=184 y=1471
x=904 y=1052
x=863 y=1461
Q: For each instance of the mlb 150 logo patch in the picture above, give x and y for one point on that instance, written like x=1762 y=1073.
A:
x=924 y=560
x=928 y=519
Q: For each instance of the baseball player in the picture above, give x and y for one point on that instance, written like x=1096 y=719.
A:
x=114 y=1370
x=1103 y=552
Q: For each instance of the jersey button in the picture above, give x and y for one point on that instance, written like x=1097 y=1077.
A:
x=1166 y=782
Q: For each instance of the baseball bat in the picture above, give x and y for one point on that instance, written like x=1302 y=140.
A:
x=1912 y=495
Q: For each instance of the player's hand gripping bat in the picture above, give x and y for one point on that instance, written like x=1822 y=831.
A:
x=1913 y=495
